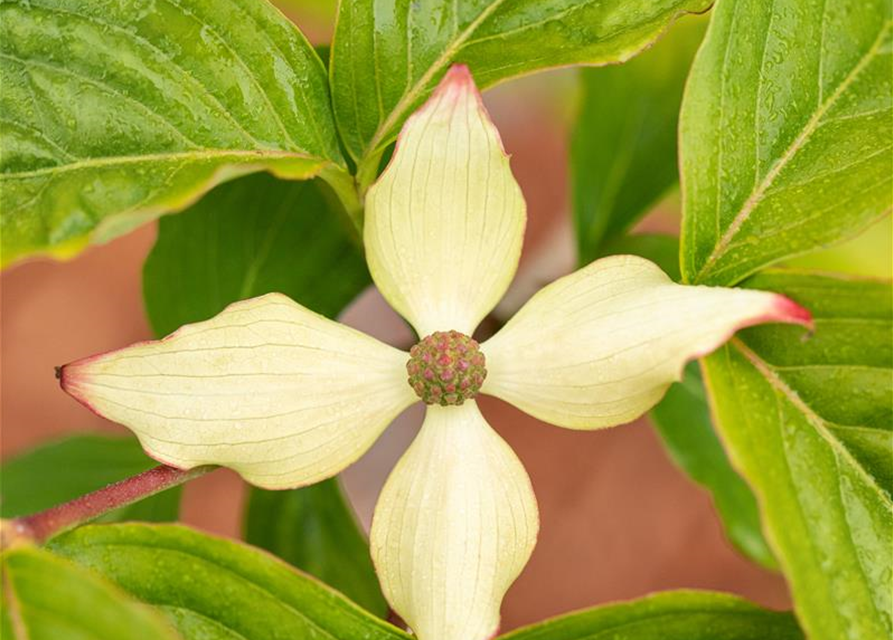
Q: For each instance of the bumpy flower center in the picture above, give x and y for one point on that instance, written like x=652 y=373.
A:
x=446 y=368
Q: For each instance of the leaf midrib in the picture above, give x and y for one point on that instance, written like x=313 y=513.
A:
x=203 y=154
x=819 y=423
x=756 y=196
x=15 y=607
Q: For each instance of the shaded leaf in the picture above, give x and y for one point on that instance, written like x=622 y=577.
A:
x=786 y=132
x=60 y=471
x=315 y=529
x=808 y=420
x=662 y=250
x=672 y=615
x=116 y=111
x=683 y=421
x=48 y=598
x=623 y=146
x=249 y=237
x=388 y=56
x=212 y=588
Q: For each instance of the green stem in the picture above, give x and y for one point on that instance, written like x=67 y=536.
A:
x=367 y=171
x=345 y=187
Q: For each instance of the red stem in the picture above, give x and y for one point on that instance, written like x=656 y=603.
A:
x=43 y=525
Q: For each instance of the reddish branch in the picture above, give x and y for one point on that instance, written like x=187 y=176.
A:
x=41 y=526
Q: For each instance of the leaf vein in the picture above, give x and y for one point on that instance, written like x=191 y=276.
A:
x=799 y=142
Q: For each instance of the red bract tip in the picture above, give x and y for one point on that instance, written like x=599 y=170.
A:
x=458 y=75
x=456 y=83
x=786 y=310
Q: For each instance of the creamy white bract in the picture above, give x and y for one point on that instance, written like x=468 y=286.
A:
x=287 y=397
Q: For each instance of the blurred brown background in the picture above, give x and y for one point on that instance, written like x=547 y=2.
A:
x=618 y=520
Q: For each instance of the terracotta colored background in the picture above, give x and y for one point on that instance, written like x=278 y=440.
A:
x=618 y=520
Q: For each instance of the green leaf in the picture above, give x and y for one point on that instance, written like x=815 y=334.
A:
x=683 y=421
x=249 y=237
x=672 y=615
x=322 y=11
x=623 y=146
x=388 y=56
x=47 y=598
x=315 y=529
x=114 y=112
x=214 y=588
x=785 y=132
x=663 y=250
x=808 y=421
x=868 y=254
x=64 y=470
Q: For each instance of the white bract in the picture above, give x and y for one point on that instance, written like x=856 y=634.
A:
x=287 y=397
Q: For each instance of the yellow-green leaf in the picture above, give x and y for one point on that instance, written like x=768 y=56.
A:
x=808 y=420
x=48 y=598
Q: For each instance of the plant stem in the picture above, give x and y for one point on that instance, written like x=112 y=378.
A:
x=345 y=187
x=42 y=526
x=367 y=172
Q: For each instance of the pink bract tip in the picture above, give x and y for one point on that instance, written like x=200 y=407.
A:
x=65 y=377
x=68 y=380
x=786 y=310
x=459 y=75
x=456 y=83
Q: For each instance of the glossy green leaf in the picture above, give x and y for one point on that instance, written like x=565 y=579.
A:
x=314 y=529
x=683 y=421
x=388 y=55
x=114 y=112
x=671 y=615
x=786 y=132
x=623 y=145
x=66 y=469
x=249 y=237
x=48 y=598
x=808 y=421
x=217 y=589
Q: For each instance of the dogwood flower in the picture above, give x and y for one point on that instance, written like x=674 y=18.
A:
x=287 y=397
